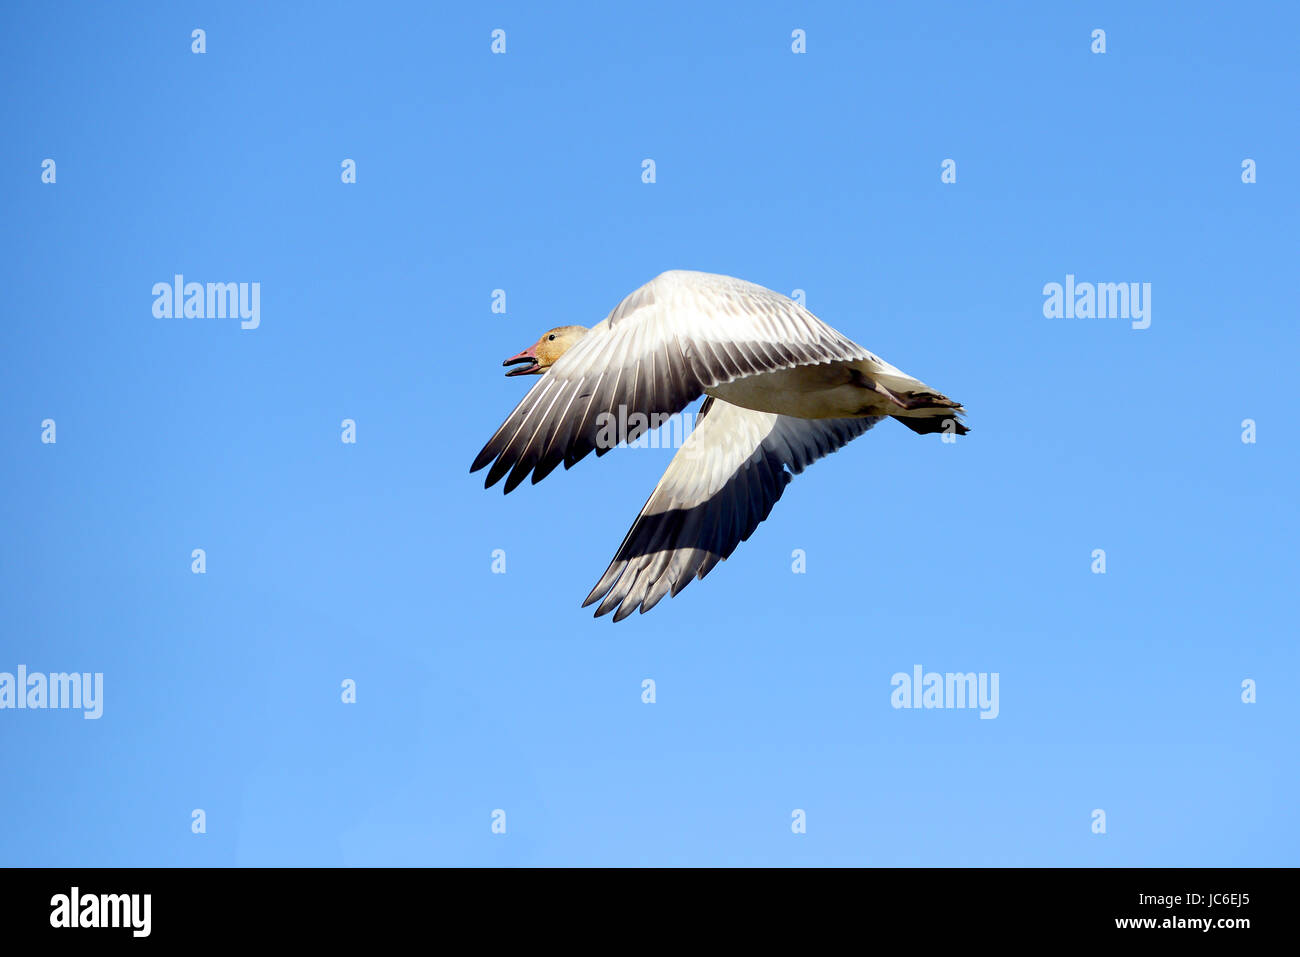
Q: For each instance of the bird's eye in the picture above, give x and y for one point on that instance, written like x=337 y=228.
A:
x=551 y=336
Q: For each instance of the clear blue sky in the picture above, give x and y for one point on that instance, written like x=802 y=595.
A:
x=372 y=562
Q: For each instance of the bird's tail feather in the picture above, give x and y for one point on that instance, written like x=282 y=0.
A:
x=940 y=421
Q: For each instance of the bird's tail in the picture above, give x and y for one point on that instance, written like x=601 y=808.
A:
x=908 y=400
x=927 y=411
x=945 y=420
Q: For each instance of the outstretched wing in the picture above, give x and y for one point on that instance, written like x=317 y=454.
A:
x=722 y=482
x=660 y=348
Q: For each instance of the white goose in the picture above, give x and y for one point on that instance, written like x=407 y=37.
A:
x=784 y=389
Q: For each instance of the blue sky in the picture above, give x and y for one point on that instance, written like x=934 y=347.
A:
x=372 y=561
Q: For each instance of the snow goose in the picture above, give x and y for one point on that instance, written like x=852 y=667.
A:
x=783 y=390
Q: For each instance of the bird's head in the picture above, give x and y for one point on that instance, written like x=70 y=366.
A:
x=543 y=354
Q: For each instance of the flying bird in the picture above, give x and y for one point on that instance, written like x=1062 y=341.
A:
x=783 y=390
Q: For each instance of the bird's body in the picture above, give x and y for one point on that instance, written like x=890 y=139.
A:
x=784 y=389
x=828 y=390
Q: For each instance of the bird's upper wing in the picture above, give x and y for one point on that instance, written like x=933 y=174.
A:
x=662 y=346
x=722 y=482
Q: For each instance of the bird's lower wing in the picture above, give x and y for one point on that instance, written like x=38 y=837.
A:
x=722 y=482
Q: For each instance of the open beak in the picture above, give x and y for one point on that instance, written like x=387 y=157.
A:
x=529 y=357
